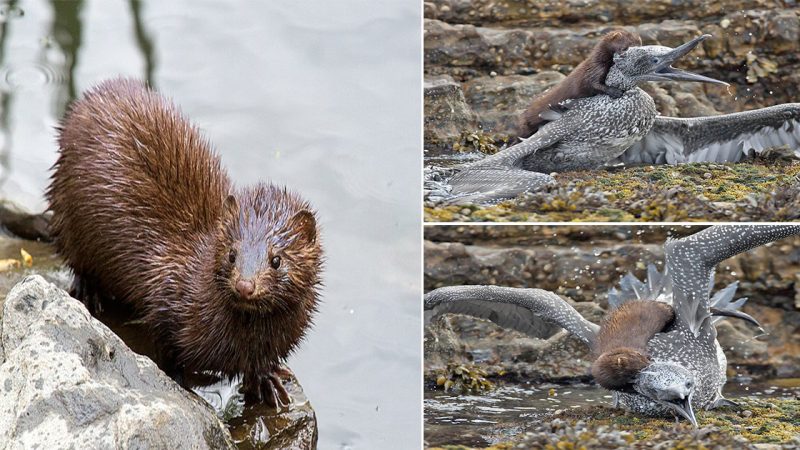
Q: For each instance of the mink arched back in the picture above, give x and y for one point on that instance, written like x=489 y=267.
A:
x=620 y=347
x=587 y=80
x=144 y=213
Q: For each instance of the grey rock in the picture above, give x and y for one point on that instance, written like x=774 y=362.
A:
x=447 y=114
x=68 y=381
x=499 y=101
x=739 y=345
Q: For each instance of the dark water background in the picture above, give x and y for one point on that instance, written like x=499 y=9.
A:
x=322 y=96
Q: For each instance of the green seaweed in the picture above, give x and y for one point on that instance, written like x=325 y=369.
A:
x=758 y=189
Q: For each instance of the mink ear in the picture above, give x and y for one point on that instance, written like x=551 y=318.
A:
x=305 y=225
x=230 y=206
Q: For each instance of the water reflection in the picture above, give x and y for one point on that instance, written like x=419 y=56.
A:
x=5 y=97
x=144 y=41
x=66 y=30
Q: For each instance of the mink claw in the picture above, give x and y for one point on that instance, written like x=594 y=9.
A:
x=283 y=396
x=268 y=389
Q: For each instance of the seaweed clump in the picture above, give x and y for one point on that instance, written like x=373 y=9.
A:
x=460 y=378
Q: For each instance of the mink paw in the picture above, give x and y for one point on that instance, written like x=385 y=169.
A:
x=268 y=388
x=614 y=92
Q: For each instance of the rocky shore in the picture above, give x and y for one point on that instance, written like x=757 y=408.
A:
x=68 y=379
x=485 y=60
x=581 y=264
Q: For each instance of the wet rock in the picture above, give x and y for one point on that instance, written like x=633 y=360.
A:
x=739 y=345
x=259 y=426
x=23 y=224
x=447 y=114
x=469 y=50
x=561 y=270
x=265 y=428
x=554 y=12
x=69 y=381
x=500 y=352
x=499 y=101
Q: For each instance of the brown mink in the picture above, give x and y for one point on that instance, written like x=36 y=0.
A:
x=143 y=212
x=621 y=343
x=587 y=80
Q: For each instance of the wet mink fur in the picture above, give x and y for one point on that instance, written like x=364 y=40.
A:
x=143 y=213
x=587 y=80
x=621 y=343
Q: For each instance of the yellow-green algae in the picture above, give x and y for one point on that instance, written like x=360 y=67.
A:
x=463 y=378
x=773 y=420
x=471 y=141
x=684 y=192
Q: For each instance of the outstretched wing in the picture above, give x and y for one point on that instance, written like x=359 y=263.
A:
x=723 y=138
x=500 y=176
x=691 y=262
x=515 y=308
x=491 y=185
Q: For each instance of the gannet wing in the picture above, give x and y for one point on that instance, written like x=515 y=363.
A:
x=516 y=308
x=491 y=185
x=691 y=262
x=723 y=138
x=500 y=176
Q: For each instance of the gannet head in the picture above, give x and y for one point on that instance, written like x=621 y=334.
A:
x=653 y=63
x=670 y=385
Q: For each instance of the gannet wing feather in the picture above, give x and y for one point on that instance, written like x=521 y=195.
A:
x=516 y=308
x=500 y=176
x=723 y=138
x=691 y=262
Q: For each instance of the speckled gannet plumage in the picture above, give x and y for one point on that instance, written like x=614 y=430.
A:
x=723 y=138
x=686 y=359
x=592 y=132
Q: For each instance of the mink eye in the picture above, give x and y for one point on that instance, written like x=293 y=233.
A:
x=232 y=256
x=275 y=262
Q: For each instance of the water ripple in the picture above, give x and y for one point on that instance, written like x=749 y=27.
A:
x=29 y=75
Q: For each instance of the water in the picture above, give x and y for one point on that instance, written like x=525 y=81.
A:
x=322 y=96
x=498 y=415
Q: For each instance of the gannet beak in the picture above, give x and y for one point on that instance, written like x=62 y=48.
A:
x=734 y=313
x=663 y=70
x=684 y=408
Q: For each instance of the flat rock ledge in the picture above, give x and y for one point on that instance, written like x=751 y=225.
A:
x=67 y=381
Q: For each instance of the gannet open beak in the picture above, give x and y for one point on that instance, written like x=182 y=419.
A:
x=735 y=313
x=684 y=408
x=663 y=70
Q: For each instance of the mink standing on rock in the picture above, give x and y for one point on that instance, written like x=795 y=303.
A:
x=587 y=80
x=226 y=278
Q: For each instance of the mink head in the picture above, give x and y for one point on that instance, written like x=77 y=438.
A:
x=616 y=41
x=268 y=254
x=617 y=369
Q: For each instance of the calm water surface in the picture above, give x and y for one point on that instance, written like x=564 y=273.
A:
x=322 y=96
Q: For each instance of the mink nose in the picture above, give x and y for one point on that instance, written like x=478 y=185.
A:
x=245 y=288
